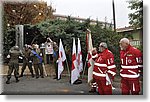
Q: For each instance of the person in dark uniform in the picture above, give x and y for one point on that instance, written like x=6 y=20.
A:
x=14 y=54
x=27 y=60
x=37 y=61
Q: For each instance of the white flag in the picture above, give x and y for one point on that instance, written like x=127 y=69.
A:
x=74 y=69
x=61 y=59
x=79 y=57
x=90 y=60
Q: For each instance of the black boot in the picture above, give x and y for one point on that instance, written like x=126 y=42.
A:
x=92 y=90
x=17 y=80
x=37 y=77
x=8 y=81
x=32 y=75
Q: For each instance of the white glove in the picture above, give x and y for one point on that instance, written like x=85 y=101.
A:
x=20 y=57
x=8 y=56
x=40 y=54
x=30 y=61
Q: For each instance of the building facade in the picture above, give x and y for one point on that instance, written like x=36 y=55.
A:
x=135 y=35
x=81 y=20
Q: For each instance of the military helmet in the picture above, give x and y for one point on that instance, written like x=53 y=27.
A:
x=16 y=47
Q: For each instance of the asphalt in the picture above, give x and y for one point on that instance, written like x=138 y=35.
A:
x=44 y=86
x=49 y=86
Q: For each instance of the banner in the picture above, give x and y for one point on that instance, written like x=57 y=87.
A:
x=74 y=69
x=61 y=59
x=90 y=60
x=79 y=57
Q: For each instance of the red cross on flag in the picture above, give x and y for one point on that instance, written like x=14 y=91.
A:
x=74 y=69
x=61 y=59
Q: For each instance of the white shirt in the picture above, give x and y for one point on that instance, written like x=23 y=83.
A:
x=49 y=48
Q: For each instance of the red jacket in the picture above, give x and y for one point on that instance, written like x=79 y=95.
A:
x=131 y=62
x=104 y=63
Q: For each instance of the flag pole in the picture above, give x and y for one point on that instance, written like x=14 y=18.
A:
x=68 y=67
x=84 y=66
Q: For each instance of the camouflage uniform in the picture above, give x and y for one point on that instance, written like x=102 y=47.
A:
x=37 y=64
x=27 y=61
x=13 y=63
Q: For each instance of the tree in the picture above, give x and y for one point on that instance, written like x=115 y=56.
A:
x=26 y=12
x=136 y=18
x=22 y=13
x=66 y=30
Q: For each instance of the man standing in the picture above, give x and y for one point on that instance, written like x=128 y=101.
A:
x=131 y=65
x=14 y=54
x=93 y=83
x=104 y=70
x=55 y=58
x=37 y=61
x=27 y=60
x=49 y=50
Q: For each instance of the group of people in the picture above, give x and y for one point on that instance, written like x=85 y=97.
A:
x=104 y=66
x=31 y=56
x=105 y=70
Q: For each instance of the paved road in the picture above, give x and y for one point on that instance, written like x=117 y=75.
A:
x=47 y=85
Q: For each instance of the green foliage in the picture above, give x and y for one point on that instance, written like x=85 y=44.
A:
x=66 y=30
x=136 y=18
x=112 y=39
x=70 y=28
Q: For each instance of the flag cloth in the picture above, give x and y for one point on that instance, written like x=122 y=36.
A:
x=61 y=59
x=74 y=69
x=108 y=82
x=79 y=57
x=90 y=60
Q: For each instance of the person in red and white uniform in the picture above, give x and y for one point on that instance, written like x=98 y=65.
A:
x=104 y=70
x=131 y=67
x=93 y=84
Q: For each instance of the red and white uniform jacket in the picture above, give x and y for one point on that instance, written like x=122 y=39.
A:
x=104 y=63
x=131 y=62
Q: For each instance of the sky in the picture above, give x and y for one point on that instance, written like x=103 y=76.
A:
x=95 y=9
